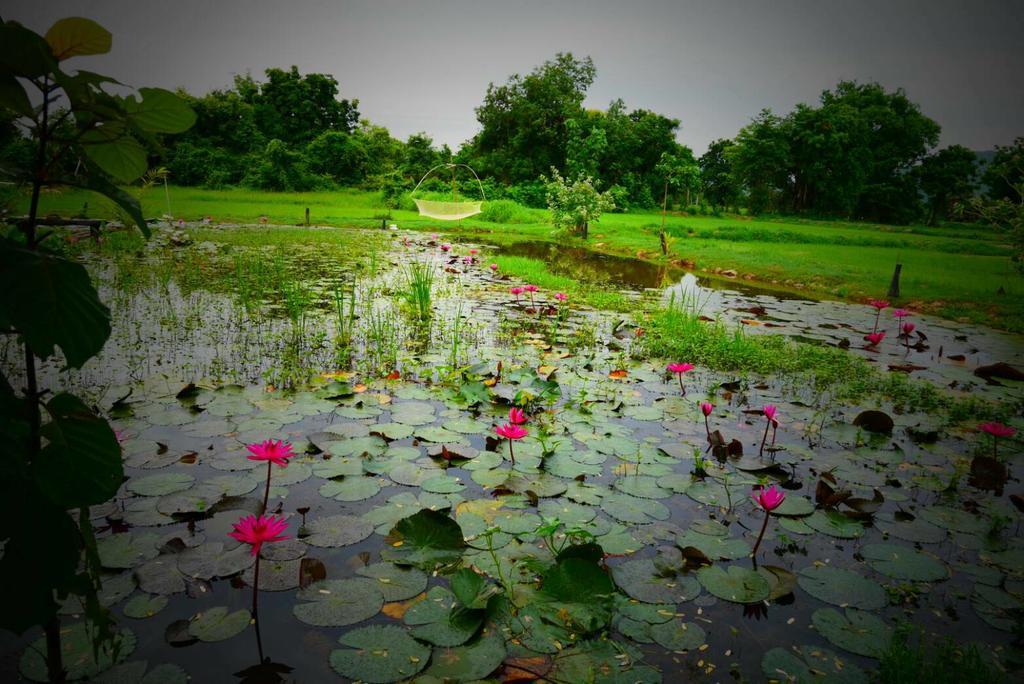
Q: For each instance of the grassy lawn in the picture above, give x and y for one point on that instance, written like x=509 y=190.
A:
x=953 y=271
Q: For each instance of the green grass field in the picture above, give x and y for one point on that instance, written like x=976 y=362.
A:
x=960 y=272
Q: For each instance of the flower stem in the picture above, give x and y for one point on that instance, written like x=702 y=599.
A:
x=764 y=527
x=681 y=386
x=266 y=491
x=511 y=452
x=256 y=588
x=760 y=453
x=707 y=428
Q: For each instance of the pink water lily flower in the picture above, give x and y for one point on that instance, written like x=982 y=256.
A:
x=879 y=304
x=679 y=369
x=706 y=408
x=433 y=236
x=516 y=291
x=900 y=313
x=511 y=433
x=875 y=338
x=474 y=251
x=274 y=452
x=769 y=499
x=516 y=416
x=494 y=267
x=771 y=414
x=997 y=429
x=561 y=296
x=529 y=288
x=467 y=259
x=908 y=328
x=445 y=248
x=259 y=530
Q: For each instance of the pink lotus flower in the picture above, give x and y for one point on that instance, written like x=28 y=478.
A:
x=516 y=291
x=530 y=288
x=900 y=313
x=706 y=408
x=445 y=248
x=879 y=304
x=512 y=433
x=679 y=369
x=494 y=267
x=770 y=412
x=467 y=259
x=997 y=429
x=516 y=416
x=875 y=338
x=561 y=296
x=908 y=328
x=474 y=251
x=768 y=499
x=259 y=530
x=274 y=452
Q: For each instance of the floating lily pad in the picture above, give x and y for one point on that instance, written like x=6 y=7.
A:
x=219 y=624
x=439 y=620
x=379 y=654
x=996 y=607
x=135 y=673
x=734 y=583
x=810 y=665
x=795 y=506
x=395 y=583
x=475 y=660
x=128 y=549
x=338 y=603
x=855 y=631
x=338 y=466
x=715 y=547
x=918 y=530
x=677 y=635
x=632 y=509
x=442 y=484
x=425 y=539
x=642 y=486
x=841 y=587
x=954 y=519
x=161 y=484
x=211 y=559
x=641 y=580
x=902 y=562
x=160 y=576
x=351 y=488
x=337 y=530
x=276 y=575
x=145 y=606
x=393 y=431
x=79 y=660
x=835 y=524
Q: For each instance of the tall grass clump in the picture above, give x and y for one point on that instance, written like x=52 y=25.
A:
x=419 y=280
x=909 y=661
x=509 y=211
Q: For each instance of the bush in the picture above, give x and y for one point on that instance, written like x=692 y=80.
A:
x=530 y=194
x=507 y=211
x=282 y=169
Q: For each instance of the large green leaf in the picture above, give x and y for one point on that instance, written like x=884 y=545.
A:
x=337 y=603
x=13 y=96
x=160 y=111
x=734 y=583
x=74 y=36
x=218 y=624
x=379 y=654
x=810 y=665
x=841 y=587
x=425 y=539
x=395 y=583
x=468 y=663
x=116 y=152
x=25 y=53
x=79 y=659
x=81 y=463
x=856 y=631
x=51 y=302
x=903 y=562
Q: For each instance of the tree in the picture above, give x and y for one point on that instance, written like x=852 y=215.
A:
x=523 y=123
x=419 y=156
x=760 y=161
x=58 y=454
x=341 y=156
x=718 y=184
x=947 y=178
x=1005 y=173
x=575 y=204
x=294 y=108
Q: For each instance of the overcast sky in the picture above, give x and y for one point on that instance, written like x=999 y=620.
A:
x=425 y=66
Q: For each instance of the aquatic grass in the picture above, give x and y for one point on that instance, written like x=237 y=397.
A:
x=419 y=281
x=536 y=272
x=914 y=658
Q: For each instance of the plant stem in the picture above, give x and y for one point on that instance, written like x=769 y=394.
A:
x=681 y=387
x=707 y=428
x=764 y=527
x=511 y=452
x=266 y=497
x=54 y=663
x=255 y=594
x=760 y=453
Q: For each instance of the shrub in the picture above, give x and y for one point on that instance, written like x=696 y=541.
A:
x=280 y=168
x=508 y=211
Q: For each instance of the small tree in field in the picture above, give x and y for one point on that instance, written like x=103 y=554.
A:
x=574 y=205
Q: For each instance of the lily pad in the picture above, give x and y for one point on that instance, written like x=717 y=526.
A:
x=918 y=530
x=855 y=631
x=337 y=530
x=145 y=606
x=219 y=624
x=160 y=484
x=338 y=603
x=379 y=654
x=476 y=660
x=954 y=519
x=128 y=549
x=210 y=560
x=810 y=665
x=641 y=580
x=395 y=583
x=835 y=524
x=77 y=654
x=734 y=583
x=677 y=635
x=903 y=562
x=715 y=547
x=642 y=486
x=632 y=509
x=351 y=488
x=439 y=620
x=425 y=539
x=841 y=587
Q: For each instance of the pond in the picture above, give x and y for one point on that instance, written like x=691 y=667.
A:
x=612 y=544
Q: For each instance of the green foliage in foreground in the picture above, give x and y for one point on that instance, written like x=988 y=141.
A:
x=944 y=663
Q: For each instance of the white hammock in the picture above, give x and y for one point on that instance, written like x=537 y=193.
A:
x=448 y=211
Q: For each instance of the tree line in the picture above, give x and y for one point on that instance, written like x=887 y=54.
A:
x=861 y=152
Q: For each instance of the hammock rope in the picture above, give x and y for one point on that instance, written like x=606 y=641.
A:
x=449 y=211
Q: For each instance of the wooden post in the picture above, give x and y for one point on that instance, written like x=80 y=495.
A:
x=894 y=286
x=664 y=210
x=307 y=216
